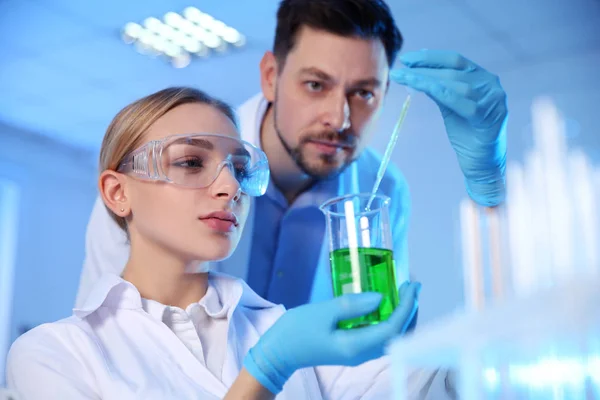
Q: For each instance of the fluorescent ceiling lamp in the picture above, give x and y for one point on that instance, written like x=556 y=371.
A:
x=180 y=37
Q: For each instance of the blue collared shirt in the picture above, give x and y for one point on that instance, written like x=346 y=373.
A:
x=287 y=243
x=289 y=258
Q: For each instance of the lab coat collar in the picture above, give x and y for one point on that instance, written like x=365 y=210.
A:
x=251 y=114
x=210 y=303
x=114 y=292
x=123 y=295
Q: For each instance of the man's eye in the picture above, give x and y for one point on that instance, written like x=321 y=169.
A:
x=364 y=94
x=314 y=86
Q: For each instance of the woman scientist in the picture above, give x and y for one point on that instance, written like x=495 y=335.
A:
x=168 y=329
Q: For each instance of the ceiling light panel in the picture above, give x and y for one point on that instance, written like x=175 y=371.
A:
x=182 y=37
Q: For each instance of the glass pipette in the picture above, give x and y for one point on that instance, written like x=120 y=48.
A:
x=388 y=151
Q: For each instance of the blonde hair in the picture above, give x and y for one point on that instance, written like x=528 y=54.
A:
x=127 y=129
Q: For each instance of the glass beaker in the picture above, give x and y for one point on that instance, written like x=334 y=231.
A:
x=361 y=252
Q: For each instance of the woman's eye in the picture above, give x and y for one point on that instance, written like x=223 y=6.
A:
x=189 y=163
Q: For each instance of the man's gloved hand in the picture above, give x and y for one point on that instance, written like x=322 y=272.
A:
x=473 y=105
x=307 y=336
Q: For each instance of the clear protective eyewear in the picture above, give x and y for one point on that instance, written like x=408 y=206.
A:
x=196 y=160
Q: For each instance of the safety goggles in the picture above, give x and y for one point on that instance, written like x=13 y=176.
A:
x=196 y=160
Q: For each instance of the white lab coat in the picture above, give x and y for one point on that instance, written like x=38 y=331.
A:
x=106 y=244
x=111 y=348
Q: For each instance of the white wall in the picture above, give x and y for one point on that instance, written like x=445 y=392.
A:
x=57 y=187
x=9 y=217
x=426 y=158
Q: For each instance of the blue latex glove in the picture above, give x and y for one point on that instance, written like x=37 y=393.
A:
x=307 y=336
x=473 y=105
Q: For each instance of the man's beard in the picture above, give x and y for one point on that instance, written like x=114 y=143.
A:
x=327 y=169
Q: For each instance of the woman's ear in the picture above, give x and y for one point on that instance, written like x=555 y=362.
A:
x=268 y=76
x=114 y=192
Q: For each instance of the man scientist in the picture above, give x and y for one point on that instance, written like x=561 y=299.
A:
x=323 y=88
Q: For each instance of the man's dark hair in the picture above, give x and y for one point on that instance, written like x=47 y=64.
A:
x=366 y=19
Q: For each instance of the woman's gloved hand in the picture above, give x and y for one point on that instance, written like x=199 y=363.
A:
x=307 y=336
x=473 y=106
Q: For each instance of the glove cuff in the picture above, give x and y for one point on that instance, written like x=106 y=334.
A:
x=256 y=364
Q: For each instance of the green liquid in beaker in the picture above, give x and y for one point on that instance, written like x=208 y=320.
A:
x=380 y=270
